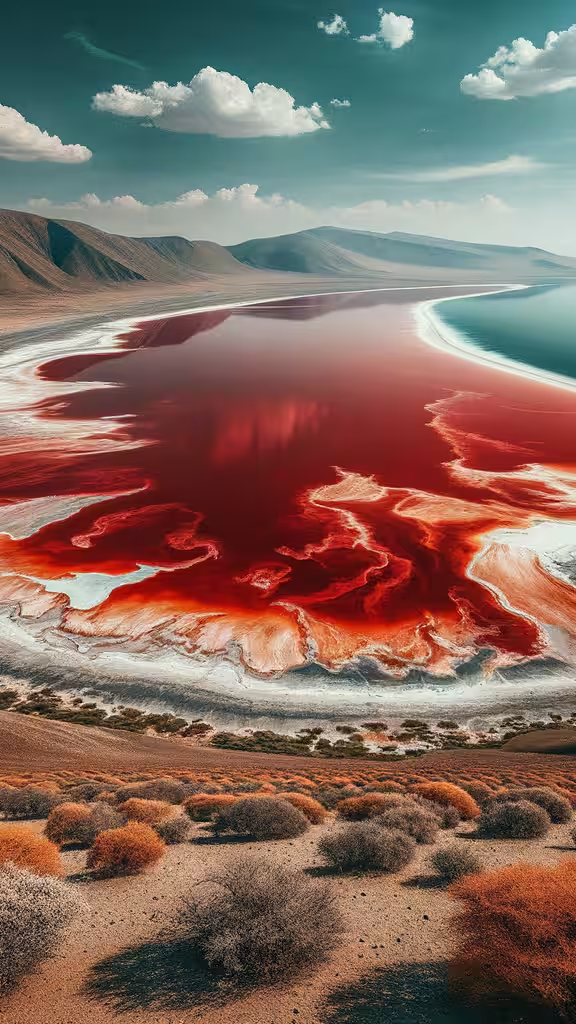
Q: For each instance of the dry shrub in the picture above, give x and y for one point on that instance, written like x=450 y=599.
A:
x=359 y=808
x=311 y=808
x=386 y=787
x=447 y=815
x=103 y=817
x=516 y=933
x=84 y=792
x=258 y=922
x=558 y=809
x=20 y=846
x=70 y=823
x=447 y=793
x=367 y=846
x=174 y=830
x=167 y=790
x=262 y=818
x=125 y=851
x=149 y=812
x=204 y=806
x=34 y=913
x=478 y=790
x=452 y=862
x=420 y=824
x=514 y=820
x=28 y=802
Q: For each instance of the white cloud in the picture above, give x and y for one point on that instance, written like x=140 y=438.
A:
x=234 y=214
x=20 y=140
x=510 y=165
x=525 y=70
x=340 y=103
x=336 y=27
x=214 y=103
x=394 y=29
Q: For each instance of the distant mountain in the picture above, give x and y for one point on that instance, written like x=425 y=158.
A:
x=340 y=251
x=38 y=254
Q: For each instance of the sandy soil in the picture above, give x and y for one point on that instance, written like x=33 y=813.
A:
x=392 y=922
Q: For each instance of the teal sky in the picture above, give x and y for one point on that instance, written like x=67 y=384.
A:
x=412 y=151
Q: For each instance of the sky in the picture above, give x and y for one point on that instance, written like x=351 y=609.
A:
x=228 y=121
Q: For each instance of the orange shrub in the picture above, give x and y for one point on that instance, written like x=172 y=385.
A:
x=358 y=808
x=20 y=846
x=516 y=932
x=309 y=807
x=69 y=823
x=149 y=812
x=204 y=806
x=447 y=793
x=125 y=851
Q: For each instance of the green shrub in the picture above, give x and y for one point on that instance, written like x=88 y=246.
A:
x=367 y=846
x=514 y=820
x=261 y=818
x=34 y=914
x=258 y=922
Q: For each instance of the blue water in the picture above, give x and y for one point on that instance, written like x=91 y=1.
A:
x=535 y=326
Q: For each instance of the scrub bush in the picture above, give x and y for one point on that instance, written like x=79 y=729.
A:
x=516 y=933
x=27 y=803
x=125 y=851
x=257 y=922
x=558 y=809
x=22 y=847
x=309 y=807
x=204 y=806
x=149 y=812
x=359 y=808
x=514 y=820
x=367 y=846
x=420 y=824
x=174 y=830
x=452 y=862
x=262 y=818
x=34 y=914
x=447 y=793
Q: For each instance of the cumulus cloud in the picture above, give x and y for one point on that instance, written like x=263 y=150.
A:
x=231 y=215
x=21 y=140
x=523 y=69
x=336 y=27
x=394 y=29
x=510 y=165
x=340 y=103
x=214 y=103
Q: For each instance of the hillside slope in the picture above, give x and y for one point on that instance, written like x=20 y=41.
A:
x=38 y=254
x=337 y=251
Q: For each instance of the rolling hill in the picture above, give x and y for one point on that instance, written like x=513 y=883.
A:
x=338 y=251
x=40 y=255
x=59 y=255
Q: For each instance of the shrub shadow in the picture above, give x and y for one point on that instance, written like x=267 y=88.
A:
x=155 y=976
x=419 y=994
x=224 y=840
x=425 y=882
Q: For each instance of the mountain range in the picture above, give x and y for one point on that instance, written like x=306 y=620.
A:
x=39 y=255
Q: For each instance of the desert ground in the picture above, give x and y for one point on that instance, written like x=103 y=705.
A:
x=390 y=965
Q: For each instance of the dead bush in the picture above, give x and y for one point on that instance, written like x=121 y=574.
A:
x=311 y=808
x=420 y=824
x=149 y=812
x=367 y=846
x=514 y=820
x=262 y=818
x=20 y=846
x=447 y=793
x=452 y=862
x=34 y=914
x=125 y=851
x=258 y=922
x=174 y=830
x=27 y=803
x=516 y=933
x=204 y=806
x=557 y=807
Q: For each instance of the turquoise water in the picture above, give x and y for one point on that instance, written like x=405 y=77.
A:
x=535 y=326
